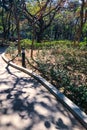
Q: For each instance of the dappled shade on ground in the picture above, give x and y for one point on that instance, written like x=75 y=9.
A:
x=26 y=105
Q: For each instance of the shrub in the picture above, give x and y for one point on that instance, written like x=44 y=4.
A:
x=83 y=45
x=11 y=49
x=60 y=76
x=78 y=94
x=26 y=43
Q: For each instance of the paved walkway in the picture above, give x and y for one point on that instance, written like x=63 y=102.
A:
x=26 y=105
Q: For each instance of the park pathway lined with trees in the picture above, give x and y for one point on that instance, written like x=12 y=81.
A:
x=27 y=105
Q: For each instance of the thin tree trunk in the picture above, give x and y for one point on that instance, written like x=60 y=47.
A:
x=18 y=33
x=79 y=30
x=17 y=26
x=32 y=46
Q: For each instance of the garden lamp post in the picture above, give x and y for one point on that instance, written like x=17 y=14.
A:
x=23 y=57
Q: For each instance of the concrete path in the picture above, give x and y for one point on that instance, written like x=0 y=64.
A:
x=27 y=105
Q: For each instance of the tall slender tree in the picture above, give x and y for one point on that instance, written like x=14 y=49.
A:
x=17 y=19
x=82 y=20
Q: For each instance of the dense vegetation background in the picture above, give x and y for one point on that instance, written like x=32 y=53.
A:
x=43 y=20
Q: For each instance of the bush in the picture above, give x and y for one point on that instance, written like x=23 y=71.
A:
x=60 y=76
x=11 y=49
x=26 y=43
x=83 y=45
x=78 y=94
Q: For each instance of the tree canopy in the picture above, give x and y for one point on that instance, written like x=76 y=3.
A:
x=61 y=18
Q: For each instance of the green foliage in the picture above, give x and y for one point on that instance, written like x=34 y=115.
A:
x=83 y=45
x=33 y=7
x=78 y=94
x=85 y=33
x=1 y=28
x=60 y=76
x=25 y=43
x=85 y=28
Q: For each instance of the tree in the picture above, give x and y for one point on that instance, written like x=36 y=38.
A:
x=42 y=16
x=10 y=8
x=16 y=11
x=63 y=25
x=82 y=20
x=5 y=18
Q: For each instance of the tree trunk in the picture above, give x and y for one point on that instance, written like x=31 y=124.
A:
x=17 y=26
x=79 y=30
x=18 y=33
x=4 y=27
x=39 y=37
x=33 y=38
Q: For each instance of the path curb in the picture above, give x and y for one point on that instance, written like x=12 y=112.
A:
x=74 y=109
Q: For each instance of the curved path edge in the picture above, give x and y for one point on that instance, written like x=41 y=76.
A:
x=74 y=109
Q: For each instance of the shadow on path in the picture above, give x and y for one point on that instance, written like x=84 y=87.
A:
x=26 y=105
x=2 y=49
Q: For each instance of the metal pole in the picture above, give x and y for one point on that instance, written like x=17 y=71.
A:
x=23 y=57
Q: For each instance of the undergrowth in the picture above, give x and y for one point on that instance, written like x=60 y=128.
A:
x=64 y=65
